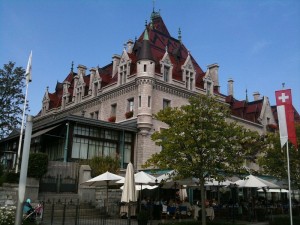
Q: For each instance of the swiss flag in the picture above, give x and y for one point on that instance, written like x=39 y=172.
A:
x=285 y=113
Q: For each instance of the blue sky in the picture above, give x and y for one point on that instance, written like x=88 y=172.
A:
x=255 y=42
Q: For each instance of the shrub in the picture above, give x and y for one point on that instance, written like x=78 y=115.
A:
x=101 y=164
x=11 y=177
x=284 y=220
x=7 y=215
x=37 y=165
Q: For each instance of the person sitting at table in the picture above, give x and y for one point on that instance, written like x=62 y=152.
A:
x=188 y=206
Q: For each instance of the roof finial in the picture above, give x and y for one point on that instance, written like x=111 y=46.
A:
x=283 y=84
x=146 y=23
x=124 y=45
x=166 y=48
x=72 y=67
x=246 y=95
x=153 y=5
x=179 y=34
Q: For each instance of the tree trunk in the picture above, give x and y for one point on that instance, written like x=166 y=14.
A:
x=203 y=212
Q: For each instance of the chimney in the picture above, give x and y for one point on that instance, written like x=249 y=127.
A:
x=214 y=71
x=81 y=70
x=230 y=87
x=256 y=96
x=129 y=46
x=116 y=60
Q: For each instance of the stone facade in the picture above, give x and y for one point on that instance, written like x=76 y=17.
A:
x=143 y=79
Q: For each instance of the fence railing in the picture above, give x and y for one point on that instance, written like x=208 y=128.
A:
x=66 y=213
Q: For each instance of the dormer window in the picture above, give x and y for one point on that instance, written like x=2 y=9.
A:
x=189 y=80
x=208 y=89
x=123 y=74
x=188 y=73
x=79 y=94
x=166 y=68
x=166 y=73
x=95 y=89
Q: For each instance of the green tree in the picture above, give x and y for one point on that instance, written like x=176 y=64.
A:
x=202 y=139
x=101 y=164
x=11 y=97
x=274 y=159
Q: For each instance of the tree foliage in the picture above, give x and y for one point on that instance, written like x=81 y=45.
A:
x=274 y=160
x=11 y=97
x=37 y=165
x=202 y=139
x=101 y=164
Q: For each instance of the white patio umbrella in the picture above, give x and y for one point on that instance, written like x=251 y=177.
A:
x=103 y=180
x=273 y=190
x=138 y=187
x=255 y=182
x=182 y=193
x=129 y=192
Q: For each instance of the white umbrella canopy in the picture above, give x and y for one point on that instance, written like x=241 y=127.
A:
x=144 y=178
x=140 y=178
x=273 y=190
x=138 y=187
x=255 y=182
x=214 y=182
x=102 y=179
x=129 y=192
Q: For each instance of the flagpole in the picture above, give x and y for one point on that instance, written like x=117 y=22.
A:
x=289 y=180
x=28 y=79
x=22 y=128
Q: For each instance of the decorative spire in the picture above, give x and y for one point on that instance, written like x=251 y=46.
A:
x=145 y=52
x=246 y=95
x=179 y=34
x=153 y=6
x=146 y=22
x=72 y=67
x=166 y=48
x=283 y=84
x=146 y=36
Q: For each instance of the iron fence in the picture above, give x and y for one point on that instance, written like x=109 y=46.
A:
x=70 y=213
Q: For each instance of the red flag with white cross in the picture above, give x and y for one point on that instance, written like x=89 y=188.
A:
x=285 y=113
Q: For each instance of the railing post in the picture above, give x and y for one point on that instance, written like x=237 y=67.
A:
x=64 y=213
x=52 y=212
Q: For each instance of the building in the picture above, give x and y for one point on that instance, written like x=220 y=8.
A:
x=108 y=110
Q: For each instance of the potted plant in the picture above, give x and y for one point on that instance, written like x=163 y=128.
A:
x=143 y=217
x=112 y=119
x=128 y=114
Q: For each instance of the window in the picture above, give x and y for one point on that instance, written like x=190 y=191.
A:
x=113 y=110
x=95 y=89
x=166 y=103
x=149 y=101
x=208 y=87
x=166 y=73
x=130 y=105
x=92 y=115
x=140 y=101
x=189 y=80
x=145 y=68
x=123 y=74
x=96 y=115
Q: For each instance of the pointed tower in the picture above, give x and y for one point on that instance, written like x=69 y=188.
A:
x=145 y=81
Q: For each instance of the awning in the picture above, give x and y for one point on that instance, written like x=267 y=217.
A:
x=39 y=133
